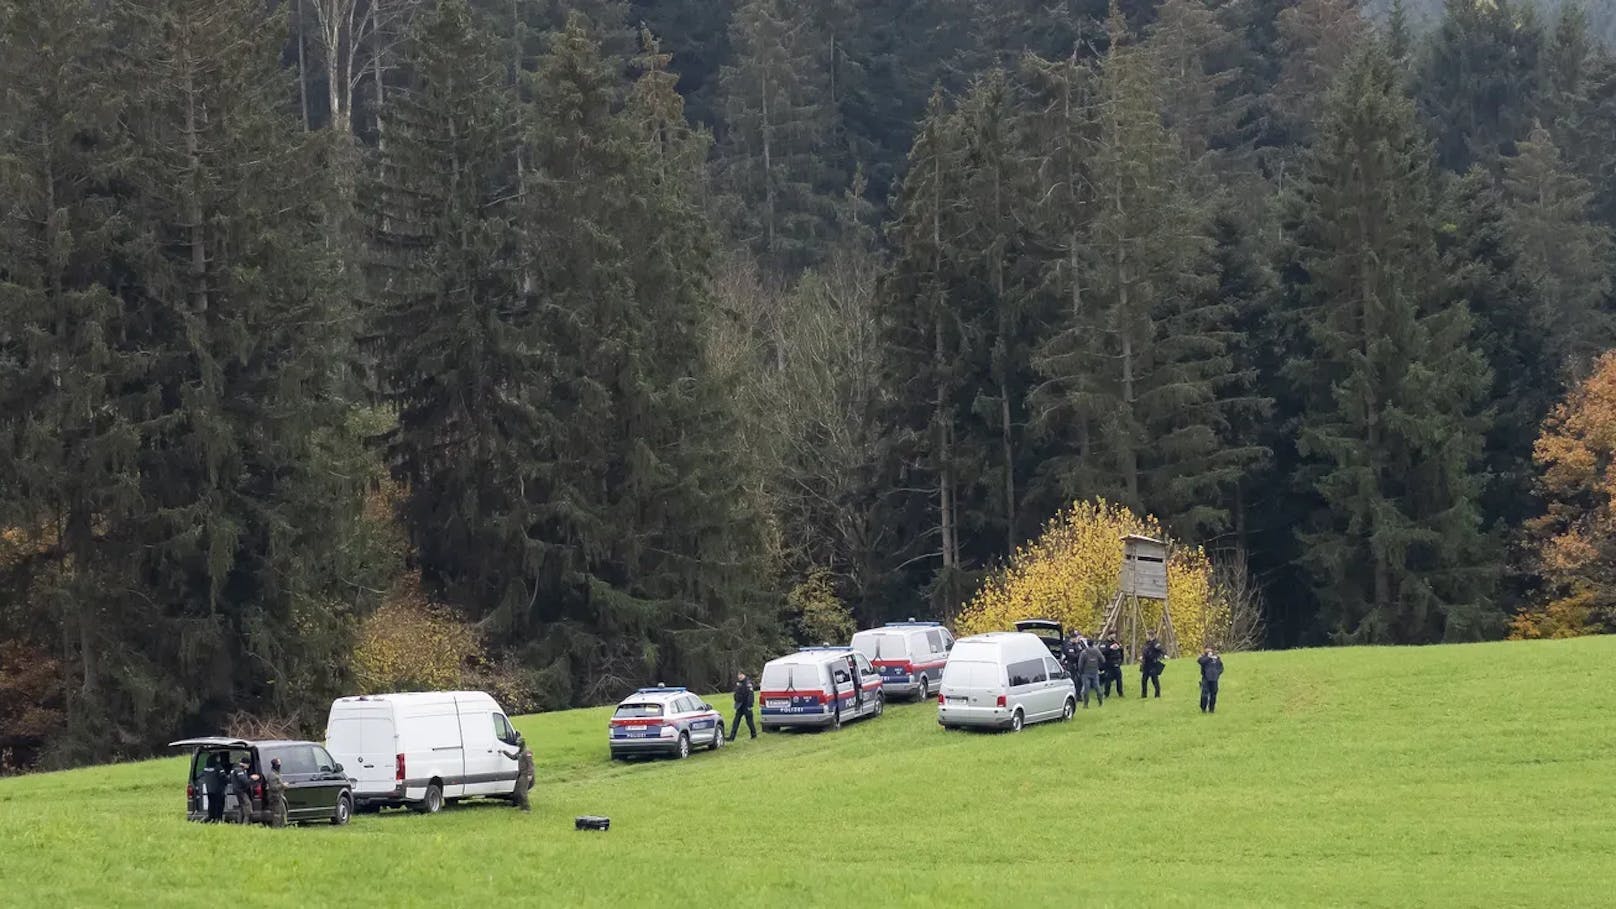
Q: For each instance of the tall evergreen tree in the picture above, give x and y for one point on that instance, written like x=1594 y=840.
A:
x=1391 y=434
x=1481 y=80
x=778 y=161
x=1565 y=258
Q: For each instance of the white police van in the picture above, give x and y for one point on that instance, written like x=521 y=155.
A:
x=909 y=655
x=819 y=686
x=663 y=720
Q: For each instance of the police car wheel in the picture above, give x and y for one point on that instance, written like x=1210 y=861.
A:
x=684 y=746
x=1016 y=720
x=1069 y=710
x=718 y=738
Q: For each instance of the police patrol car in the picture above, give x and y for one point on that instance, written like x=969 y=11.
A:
x=819 y=686
x=664 y=720
x=909 y=655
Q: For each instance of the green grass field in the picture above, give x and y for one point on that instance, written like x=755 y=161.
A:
x=1478 y=775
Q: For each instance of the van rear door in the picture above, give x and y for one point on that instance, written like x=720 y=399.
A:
x=362 y=737
x=973 y=683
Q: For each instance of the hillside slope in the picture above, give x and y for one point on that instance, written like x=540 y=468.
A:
x=1372 y=777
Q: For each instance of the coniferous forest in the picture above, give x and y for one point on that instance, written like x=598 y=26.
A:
x=587 y=343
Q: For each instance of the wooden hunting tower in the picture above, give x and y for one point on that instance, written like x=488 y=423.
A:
x=1144 y=577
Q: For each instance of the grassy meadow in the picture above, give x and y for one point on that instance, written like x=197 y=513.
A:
x=1479 y=775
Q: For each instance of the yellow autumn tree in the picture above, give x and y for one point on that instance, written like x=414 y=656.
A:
x=1574 y=541
x=1071 y=574
x=412 y=644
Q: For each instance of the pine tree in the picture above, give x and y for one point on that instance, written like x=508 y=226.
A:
x=924 y=343
x=68 y=441
x=777 y=157
x=464 y=348
x=1480 y=83
x=1391 y=435
x=1565 y=258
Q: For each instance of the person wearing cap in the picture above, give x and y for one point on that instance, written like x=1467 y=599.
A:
x=1150 y=666
x=524 y=773
x=275 y=794
x=1211 y=672
x=1114 y=658
x=743 y=707
x=241 y=783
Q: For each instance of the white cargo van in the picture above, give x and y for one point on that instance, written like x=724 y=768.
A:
x=421 y=749
x=1004 y=680
x=909 y=655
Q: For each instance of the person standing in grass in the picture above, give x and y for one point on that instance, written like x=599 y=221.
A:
x=1150 y=667
x=524 y=773
x=275 y=794
x=1211 y=672
x=241 y=787
x=1114 y=658
x=743 y=707
x=1090 y=660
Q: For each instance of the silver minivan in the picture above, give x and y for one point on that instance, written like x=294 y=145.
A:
x=1004 y=680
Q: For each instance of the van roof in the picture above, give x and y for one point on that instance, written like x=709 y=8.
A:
x=405 y=697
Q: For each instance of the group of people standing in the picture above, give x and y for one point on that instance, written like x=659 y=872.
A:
x=1097 y=665
x=219 y=778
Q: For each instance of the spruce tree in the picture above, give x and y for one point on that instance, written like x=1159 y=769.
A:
x=1391 y=435
x=777 y=160
x=1481 y=80
x=1565 y=258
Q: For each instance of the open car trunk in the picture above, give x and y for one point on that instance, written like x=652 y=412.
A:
x=1047 y=630
x=223 y=753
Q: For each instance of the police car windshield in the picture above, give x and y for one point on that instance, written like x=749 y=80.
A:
x=787 y=676
x=881 y=645
x=634 y=710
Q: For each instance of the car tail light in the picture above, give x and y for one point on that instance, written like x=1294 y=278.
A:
x=190 y=791
x=1001 y=701
x=259 y=792
x=941 y=699
x=398 y=769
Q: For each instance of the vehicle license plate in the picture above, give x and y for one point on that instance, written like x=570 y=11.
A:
x=777 y=702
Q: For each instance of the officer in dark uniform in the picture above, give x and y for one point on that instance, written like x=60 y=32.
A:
x=1150 y=666
x=1211 y=672
x=743 y=707
x=241 y=783
x=275 y=794
x=523 y=757
x=214 y=780
x=1113 y=666
x=1070 y=648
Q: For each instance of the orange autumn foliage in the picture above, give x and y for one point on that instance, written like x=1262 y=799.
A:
x=1574 y=541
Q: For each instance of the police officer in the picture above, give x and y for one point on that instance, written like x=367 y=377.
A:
x=275 y=794
x=525 y=776
x=1113 y=665
x=1211 y=672
x=743 y=707
x=1150 y=666
x=241 y=782
x=1070 y=648
x=215 y=781
x=1089 y=662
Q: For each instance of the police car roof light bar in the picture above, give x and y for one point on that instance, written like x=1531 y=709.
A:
x=659 y=688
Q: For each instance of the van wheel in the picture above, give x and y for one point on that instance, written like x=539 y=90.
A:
x=880 y=704
x=925 y=689
x=344 y=811
x=1069 y=710
x=433 y=802
x=718 y=738
x=1016 y=720
x=684 y=746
